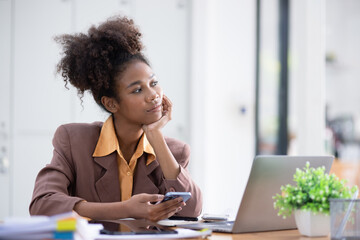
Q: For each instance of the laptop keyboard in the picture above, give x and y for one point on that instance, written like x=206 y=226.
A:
x=220 y=226
x=223 y=226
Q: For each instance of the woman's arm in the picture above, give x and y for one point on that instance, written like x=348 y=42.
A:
x=138 y=206
x=51 y=191
x=54 y=184
x=173 y=162
x=168 y=163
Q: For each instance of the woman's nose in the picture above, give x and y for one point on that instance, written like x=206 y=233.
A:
x=152 y=96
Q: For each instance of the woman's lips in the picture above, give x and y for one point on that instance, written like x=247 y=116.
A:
x=157 y=108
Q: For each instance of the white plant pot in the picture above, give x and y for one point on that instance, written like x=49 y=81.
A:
x=312 y=225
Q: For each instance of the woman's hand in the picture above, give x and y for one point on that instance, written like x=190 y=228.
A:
x=140 y=206
x=168 y=164
x=166 y=117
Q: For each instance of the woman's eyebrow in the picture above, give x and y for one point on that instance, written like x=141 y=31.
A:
x=133 y=83
x=139 y=81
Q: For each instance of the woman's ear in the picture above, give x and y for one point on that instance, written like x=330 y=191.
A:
x=110 y=104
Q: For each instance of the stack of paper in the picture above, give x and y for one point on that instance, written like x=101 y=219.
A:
x=181 y=234
x=67 y=226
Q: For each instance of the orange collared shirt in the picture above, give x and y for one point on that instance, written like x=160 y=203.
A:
x=108 y=143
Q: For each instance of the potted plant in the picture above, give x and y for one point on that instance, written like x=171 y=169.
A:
x=309 y=199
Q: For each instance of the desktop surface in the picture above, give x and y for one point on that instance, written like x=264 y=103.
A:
x=275 y=235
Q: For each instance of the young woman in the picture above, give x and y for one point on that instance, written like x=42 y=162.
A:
x=118 y=168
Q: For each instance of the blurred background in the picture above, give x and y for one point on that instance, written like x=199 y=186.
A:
x=246 y=77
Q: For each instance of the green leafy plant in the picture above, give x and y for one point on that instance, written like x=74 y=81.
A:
x=312 y=192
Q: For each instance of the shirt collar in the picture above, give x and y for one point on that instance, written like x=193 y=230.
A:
x=108 y=143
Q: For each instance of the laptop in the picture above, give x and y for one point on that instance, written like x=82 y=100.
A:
x=256 y=211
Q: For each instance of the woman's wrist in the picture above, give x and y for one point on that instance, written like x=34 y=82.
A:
x=98 y=211
x=153 y=136
x=168 y=164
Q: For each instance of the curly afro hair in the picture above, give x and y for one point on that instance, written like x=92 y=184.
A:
x=92 y=61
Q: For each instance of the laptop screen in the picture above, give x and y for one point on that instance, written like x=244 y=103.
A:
x=256 y=211
x=268 y=174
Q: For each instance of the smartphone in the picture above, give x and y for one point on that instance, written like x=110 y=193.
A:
x=172 y=195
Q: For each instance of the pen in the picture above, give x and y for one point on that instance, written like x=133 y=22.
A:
x=183 y=218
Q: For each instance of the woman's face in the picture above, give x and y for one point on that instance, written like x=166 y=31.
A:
x=139 y=95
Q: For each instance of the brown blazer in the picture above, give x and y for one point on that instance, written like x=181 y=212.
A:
x=74 y=175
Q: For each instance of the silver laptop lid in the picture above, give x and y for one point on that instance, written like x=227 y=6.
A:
x=268 y=173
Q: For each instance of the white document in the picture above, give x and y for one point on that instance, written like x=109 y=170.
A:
x=181 y=234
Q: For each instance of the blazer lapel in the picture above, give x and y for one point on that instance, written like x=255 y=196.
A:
x=107 y=186
x=142 y=181
x=151 y=167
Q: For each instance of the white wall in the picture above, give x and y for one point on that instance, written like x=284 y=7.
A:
x=342 y=73
x=342 y=76
x=223 y=76
x=307 y=77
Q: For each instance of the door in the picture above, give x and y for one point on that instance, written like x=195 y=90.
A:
x=40 y=101
x=5 y=89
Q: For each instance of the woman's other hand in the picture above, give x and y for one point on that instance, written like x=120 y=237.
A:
x=166 y=117
x=141 y=206
x=138 y=206
x=168 y=164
